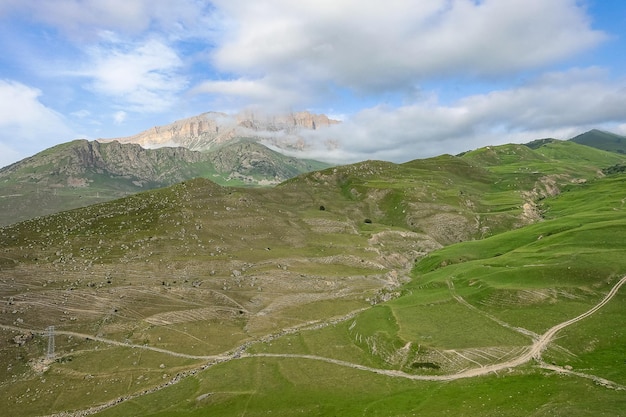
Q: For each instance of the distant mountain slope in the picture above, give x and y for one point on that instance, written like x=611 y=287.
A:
x=602 y=140
x=545 y=157
x=538 y=143
x=211 y=129
x=251 y=163
x=80 y=173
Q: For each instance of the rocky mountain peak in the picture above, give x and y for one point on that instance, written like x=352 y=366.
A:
x=207 y=130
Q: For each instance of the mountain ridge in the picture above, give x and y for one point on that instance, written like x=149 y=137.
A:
x=601 y=139
x=210 y=129
x=82 y=172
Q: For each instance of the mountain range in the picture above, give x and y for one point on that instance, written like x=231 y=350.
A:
x=227 y=149
x=81 y=172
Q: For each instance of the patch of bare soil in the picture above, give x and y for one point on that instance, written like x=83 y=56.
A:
x=197 y=314
x=546 y=186
x=331 y=226
x=401 y=248
x=444 y=224
x=40 y=365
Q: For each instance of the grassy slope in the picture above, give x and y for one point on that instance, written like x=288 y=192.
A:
x=581 y=253
x=152 y=256
x=602 y=140
x=59 y=178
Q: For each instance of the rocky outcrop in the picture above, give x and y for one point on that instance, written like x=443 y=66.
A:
x=208 y=130
x=135 y=161
x=80 y=163
x=22 y=339
x=289 y=123
x=77 y=160
x=197 y=133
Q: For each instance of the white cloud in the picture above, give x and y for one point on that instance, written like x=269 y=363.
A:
x=575 y=97
x=557 y=105
x=8 y=154
x=81 y=114
x=239 y=87
x=119 y=117
x=84 y=19
x=394 y=45
x=262 y=93
x=26 y=125
x=143 y=76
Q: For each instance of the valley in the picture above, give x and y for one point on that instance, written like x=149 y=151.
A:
x=482 y=284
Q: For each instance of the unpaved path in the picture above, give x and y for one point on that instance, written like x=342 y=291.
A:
x=532 y=352
x=115 y=343
x=540 y=345
x=598 y=380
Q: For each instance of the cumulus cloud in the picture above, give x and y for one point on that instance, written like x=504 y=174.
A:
x=140 y=76
x=560 y=105
x=575 y=97
x=119 y=117
x=394 y=45
x=82 y=19
x=250 y=93
x=26 y=125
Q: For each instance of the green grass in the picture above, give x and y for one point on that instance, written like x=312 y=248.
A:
x=465 y=330
x=596 y=345
x=267 y=260
x=533 y=277
x=78 y=377
x=602 y=140
x=327 y=390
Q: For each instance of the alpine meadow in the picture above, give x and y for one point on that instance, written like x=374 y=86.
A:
x=487 y=283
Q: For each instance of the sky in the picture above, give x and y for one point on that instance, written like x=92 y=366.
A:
x=408 y=79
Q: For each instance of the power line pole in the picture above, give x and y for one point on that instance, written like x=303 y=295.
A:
x=50 y=354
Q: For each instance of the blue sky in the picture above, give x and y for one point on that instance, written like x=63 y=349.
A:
x=409 y=79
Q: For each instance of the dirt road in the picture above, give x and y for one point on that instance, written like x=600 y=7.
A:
x=532 y=352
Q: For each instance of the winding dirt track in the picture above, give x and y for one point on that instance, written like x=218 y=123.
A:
x=532 y=352
x=540 y=345
x=116 y=343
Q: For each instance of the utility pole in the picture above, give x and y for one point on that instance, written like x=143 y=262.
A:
x=50 y=354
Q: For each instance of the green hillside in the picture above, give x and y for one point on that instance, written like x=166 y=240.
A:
x=602 y=140
x=81 y=173
x=427 y=288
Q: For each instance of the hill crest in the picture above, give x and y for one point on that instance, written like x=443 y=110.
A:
x=601 y=139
